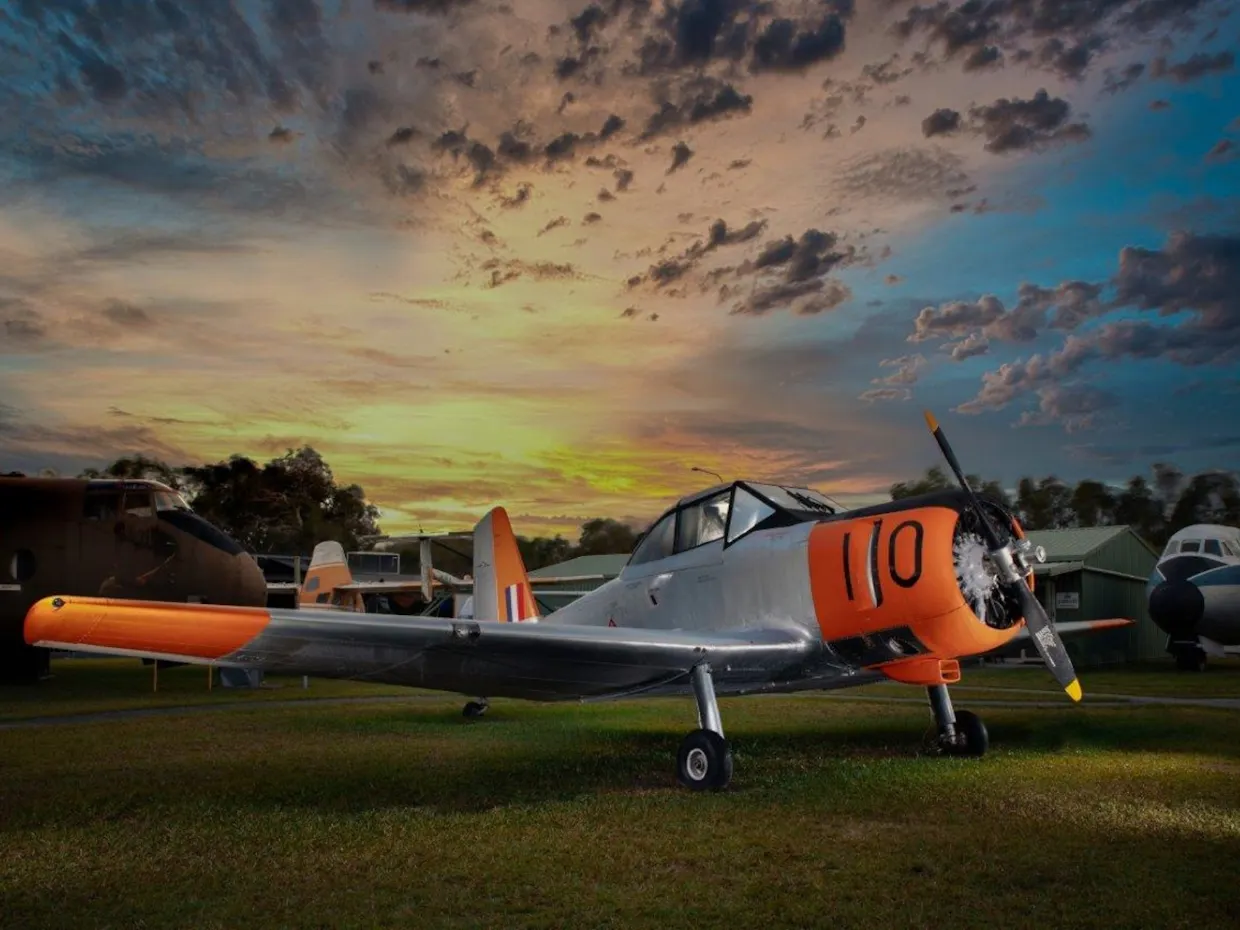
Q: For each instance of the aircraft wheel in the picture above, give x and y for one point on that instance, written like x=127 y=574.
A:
x=474 y=709
x=704 y=761
x=1190 y=660
x=971 y=736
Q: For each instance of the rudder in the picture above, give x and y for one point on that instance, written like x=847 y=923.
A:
x=501 y=585
x=328 y=569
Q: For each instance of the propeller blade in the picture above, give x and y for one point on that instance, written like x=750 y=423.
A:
x=1041 y=630
x=1046 y=640
x=991 y=536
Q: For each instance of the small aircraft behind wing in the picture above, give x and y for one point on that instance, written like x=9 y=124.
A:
x=329 y=582
x=739 y=589
x=107 y=537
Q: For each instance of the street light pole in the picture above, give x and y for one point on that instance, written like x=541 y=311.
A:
x=707 y=471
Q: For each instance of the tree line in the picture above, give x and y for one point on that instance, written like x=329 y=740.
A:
x=293 y=502
x=1155 y=509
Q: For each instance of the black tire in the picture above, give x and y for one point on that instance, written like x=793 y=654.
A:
x=704 y=761
x=1190 y=660
x=474 y=709
x=971 y=736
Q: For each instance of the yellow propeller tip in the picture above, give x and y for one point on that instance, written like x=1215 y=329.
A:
x=1074 y=689
x=931 y=421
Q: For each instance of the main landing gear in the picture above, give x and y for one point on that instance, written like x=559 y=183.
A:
x=704 y=760
x=960 y=733
x=475 y=708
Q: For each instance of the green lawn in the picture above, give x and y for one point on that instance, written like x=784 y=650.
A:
x=405 y=814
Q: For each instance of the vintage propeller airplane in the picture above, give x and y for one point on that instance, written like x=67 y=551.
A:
x=739 y=589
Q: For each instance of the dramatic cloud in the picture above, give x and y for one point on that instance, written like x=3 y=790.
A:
x=1011 y=125
x=1193 y=275
x=493 y=208
x=1193 y=68
x=940 y=122
x=1073 y=302
x=790 y=273
x=697 y=100
x=1060 y=37
x=908 y=369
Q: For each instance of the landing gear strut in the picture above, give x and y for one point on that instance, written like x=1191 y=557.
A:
x=704 y=760
x=475 y=708
x=960 y=734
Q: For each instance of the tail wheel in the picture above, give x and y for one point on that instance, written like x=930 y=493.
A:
x=971 y=736
x=704 y=761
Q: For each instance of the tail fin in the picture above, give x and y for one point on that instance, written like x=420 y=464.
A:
x=328 y=568
x=501 y=586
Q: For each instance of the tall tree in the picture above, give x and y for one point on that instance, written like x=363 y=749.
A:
x=1169 y=482
x=604 y=536
x=1093 y=504
x=1212 y=497
x=935 y=479
x=1137 y=507
x=138 y=467
x=288 y=505
x=1045 y=504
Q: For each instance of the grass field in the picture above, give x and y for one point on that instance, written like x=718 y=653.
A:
x=402 y=813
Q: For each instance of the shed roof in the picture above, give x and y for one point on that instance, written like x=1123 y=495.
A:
x=609 y=565
x=1074 y=545
x=1057 y=568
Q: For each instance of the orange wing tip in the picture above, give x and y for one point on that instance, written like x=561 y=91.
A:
x=931 y=421
x=207 y=631
x=1074 y=689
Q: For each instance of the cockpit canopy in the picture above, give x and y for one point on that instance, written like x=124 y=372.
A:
x=1203 y=546
x=728 y=512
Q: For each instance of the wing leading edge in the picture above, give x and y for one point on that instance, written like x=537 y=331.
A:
x=544 y=661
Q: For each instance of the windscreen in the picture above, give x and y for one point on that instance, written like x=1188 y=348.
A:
x=795 y=499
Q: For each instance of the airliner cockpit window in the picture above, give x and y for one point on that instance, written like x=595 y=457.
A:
x=1190 y=545
x=1212 y=547
x=1172 y=547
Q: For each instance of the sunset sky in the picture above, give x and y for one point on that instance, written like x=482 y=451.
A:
x=552 y=255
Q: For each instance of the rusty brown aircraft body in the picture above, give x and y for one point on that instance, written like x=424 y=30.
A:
x=108 y=538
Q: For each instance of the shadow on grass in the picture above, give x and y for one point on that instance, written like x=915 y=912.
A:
x=379 y=758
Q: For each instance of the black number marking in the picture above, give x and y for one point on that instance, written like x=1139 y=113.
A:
x=878 y=585
x=847 y=571
x=918 y=538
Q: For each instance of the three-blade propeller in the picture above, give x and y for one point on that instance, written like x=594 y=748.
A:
x=1009 y=565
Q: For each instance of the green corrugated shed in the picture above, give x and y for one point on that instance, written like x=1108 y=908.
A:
x=609 y=565
x=551 y=597
x=1097 y=573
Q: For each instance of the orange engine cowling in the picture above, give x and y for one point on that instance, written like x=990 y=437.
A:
x=887 y=585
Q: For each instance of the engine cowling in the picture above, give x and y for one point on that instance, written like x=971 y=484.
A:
x=897 y=583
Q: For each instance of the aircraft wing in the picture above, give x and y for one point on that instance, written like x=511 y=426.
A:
x=536 y=661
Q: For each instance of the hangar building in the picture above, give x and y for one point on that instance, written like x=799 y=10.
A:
x=1095 y=573
x=592 y=570
x=1091 y=573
